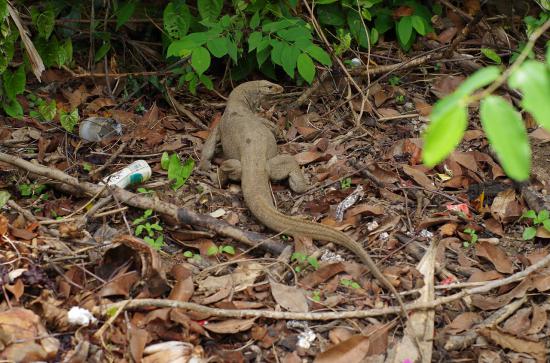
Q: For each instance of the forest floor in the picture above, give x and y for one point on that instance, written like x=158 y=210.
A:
x=448 y=238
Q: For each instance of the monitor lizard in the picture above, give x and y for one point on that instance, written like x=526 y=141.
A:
x=250 y=149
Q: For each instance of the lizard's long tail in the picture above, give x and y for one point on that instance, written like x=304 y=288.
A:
x=255 y=186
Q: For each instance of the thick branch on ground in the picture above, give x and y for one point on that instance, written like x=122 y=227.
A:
x=182 y=215
x=241 y=313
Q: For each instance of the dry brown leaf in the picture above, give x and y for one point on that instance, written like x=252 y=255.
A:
x=364 y=208
x=448 y=229
x=423 y=108
x=310 y=156
x=479 y=276
x=496 y=256
x=463 y=322
x=540 y=134
x=183 y=288
x=98 y=104
x=496 y=302
x=536 y=349
x=24 y=337
x=352 y=350
x=518 y=323
x=338 y=335
x=470 y=135
x=120 y=285
x=137 y=339
x=447 y=35
x=419 y=177
x=290 y=298
x=388 y=112
x=321 y=275
x=445 y=85
x=382 y=175
x=538 y=321
x=466 y=159
x=230 y=326
x=505 y=207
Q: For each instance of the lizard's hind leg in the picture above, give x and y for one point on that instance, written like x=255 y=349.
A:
x=230 y=169
x=285 y=166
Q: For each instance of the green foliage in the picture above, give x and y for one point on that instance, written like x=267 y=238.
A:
x=177 y=170
x=69 y=119
x=45 y=111
x=503 y=125
x=345 y=183
x=124 y=13
x=152 y=231
x=215 y=250
x=540 y=219
x=4 y=195
x=491 y=54
x=304 y=261
x=32 y=190
x=349 y=283
x=473 y=238
x=316 y=295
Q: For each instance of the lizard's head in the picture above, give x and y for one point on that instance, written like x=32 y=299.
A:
x=253 y=91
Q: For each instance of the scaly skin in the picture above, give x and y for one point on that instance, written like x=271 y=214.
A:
x=251 y=152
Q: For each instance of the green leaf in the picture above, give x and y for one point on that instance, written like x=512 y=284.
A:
x=188 y=254
x=277 y=52
x=288 y=57
x=200 y=60
x=419 y=24
x=331 y=15
x=4 y=195
x=383 y=21
x=102 y=51
x=543 y=215
x=164 y=161
x=210 y=9
x=230 y=250
x=507 y=135
x=529 y=233
x=491 y=54
x=480 y=78
x=176 y=20
x=12 y=108
x=357 y=29
x=3 y=9
x=182 y=47
x=295 y=33
x=69 y=120
x=306 y=68
x=261 y=56
x=546 y=224
x=533 y=79
x=124 y=13
x=449 y=119
x=212 y=250
x=313 y=262
x=319 y=55
x=255 y=20
x=231 y=49
x=174 y=167
x=139 y=230
x=254 y=39
x=324 y=2
x=531 y=214
x=14 y=82
x=217 y=46
x=44 y=21
x=47 y=110
x=206 y=81
x=404 y=29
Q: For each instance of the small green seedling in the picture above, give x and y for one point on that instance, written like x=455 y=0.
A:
x=152 y=231
x=4 y=197
x=32 y=190
x=316 y=296
x=540 y=219
x=350 y=284
x=177 y=170
x=304 y=261
x=144 y=191
x=194 y=256
x=394 y=80
x=400 y=99
x=215 y=250
x=87 y=167
x=473 y=238
x=345 y=183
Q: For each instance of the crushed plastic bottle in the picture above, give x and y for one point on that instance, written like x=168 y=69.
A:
x=135 y=173
x=98 y=128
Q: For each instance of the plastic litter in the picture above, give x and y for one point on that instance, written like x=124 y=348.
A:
x=98 y=128
x=135 y=173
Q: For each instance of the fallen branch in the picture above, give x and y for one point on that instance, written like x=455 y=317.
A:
x=332 y=315
x=181 y=215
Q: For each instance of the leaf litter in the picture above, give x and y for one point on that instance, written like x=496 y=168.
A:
x=65 y=256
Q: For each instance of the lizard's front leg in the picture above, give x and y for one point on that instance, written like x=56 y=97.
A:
x=209 y=148
x=282 y=166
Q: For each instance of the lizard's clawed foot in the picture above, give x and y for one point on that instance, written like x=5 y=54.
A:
x=297 y=181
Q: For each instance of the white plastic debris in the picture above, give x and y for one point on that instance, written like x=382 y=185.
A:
x=99 y=128
x=329 y=256
x=135 y=173
x=371 y=226
x=384 y=236
x=348 y=202
x=305 y=338
x=355 y=62
x=426 y=234
x=79 y=316
x=220 y=212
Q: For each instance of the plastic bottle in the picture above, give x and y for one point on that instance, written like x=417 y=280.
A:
x=135 y=173
x=99 y=128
